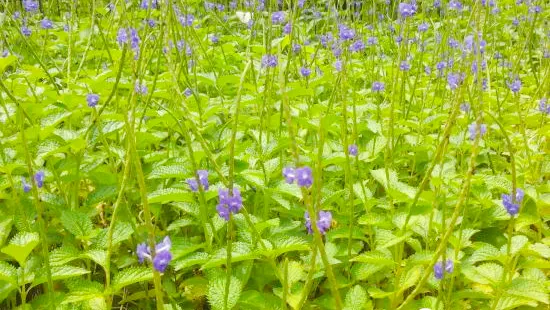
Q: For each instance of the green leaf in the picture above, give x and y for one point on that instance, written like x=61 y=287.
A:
x=286 y=244
x=529 y=289
x=216 y=293
x=375 y=258
x=518 y=243
x=121 y=231
x=5 y=62
x=77 y=223
x=130 y=276
x=98 y=256
x=356 y=299
x=410 y=279
x=59 y=273
x=177 y=171
x=166 y=195
x=240 y=252
x=8 y=273
x=21 y=246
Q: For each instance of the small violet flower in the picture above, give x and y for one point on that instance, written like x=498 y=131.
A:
x=162 y=254
x=512 y=202
x=229 y=204
x=304 y=176
x=475 y=130
x=39 y=178
x=92 y=100
x=378 y=86
x=46 y=23
x=26 y=186
x=439 y=269
x=353 y=150
x=324 y=221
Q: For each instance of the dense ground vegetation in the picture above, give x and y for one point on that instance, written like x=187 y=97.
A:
x=185 y=154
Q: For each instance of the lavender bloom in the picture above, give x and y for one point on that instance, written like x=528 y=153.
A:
x=305 y=71
x=353 y=150
x=372 y=41
x=449 y=266
x=92 y=100
x=122 y=36
x=304 y=176
x=515 y=85
x=16 y=15
x=427 y=70
x=193 y=184
x=296 y=48
x=214 y=39
x=46 y=23
x=30 y=5
x=301 y=3
x=269 y=61
x=455 y=5
x=186 y=20
x=187 y=92
x=338 y=65
x=145 y=4
x=543 y=107
x=336 y=51
x=289 y=174
x=453 y=80
x=278 y=17
x=423 y=27
x=404 y=66
x=229 y=204
x=357 y=46
x=26 y=186
x=161 y=260
x=512 y=204
x=324 y=221
x=26 y=31
x=438 y=270
x=287 y=29
x=151 y=23
x=5 y=53
x=203 y=178
x=345 y=33
x=39 y=178
x=406 y=9
x=377 y=86
x=440 y=66
x=475 y=130
x=140 y=89
x=453 y=43
x=465 y=107
x=143 y=252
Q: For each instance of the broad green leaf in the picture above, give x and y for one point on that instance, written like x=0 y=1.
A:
x=356 y=299
x=8 y=273
x=77 y=223
x=216 y=293
x=59 y=273
x=21 y=246
x=130 y=276
x=166 y=195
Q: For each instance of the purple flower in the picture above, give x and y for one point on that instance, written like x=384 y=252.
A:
x=474 y=130
x=187 y=92
x=511 y=203
x=46 y=23
x=449 y=266
x=162 y=254
x=423 y=27
x=289 y=174
x=161 y=260
x=5 y=53
x=186 y=20
x=455 y=5
x=203 y=178
x=515 y=85
x=228 y=204
x=39 y=178
x=441 y=65
x=353 y=150
x=278 y=17
x=193 y=184
x=357 y=46
x=345 y=33
x=543 y=107
x=372 y=41
x=404 y=66
x=151 y=22
x=16 y=15
x=269 y=61
x=296 y=48
x=427 y=70
x=453 y=80
x=92 y=100
x=438 y=270
x=140 y=89
x=145 y=4
x=324 y=221
x=287 y=29
x=214 y=39
x=465 y=107
x=338 y=65
x=406 y=9
x=377 y=86
x=26 y=31
x=305 y=71
x=30 y=5
x=304 y=176
x=122 y=36
x=26 y=186
x=301 y=3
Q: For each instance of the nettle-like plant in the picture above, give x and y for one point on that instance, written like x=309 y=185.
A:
x=181 y=154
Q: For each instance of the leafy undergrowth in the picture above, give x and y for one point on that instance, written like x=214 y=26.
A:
x=183 y=154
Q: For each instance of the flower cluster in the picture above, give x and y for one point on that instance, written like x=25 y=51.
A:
x=475 y=130
x=324 y=221
x=92 y=100
x=162 y=255
x=407 y=9
x=439 y=270
x=229 y=204
x=269 y=61
x=543 y=106
x=133 y=39
x=303 y=176
x=512 y=202
x=203 y=179
x=377 y=86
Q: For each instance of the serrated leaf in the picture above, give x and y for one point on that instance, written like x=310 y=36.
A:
x=63 y=255
x=375 y=258
x=177 y=171
x=77 y=223
x=356 y=299
x=411 y=277
x=529 y=289
x=130 y=276
x=240 y=252
x=60 y=273
x=8 y=273
x=121 y=231
x=216 y=293
x=286 y=244
x=21 y=246
x=98 y=256
x=166 y=195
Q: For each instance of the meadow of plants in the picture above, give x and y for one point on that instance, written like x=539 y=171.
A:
x=259 y=154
